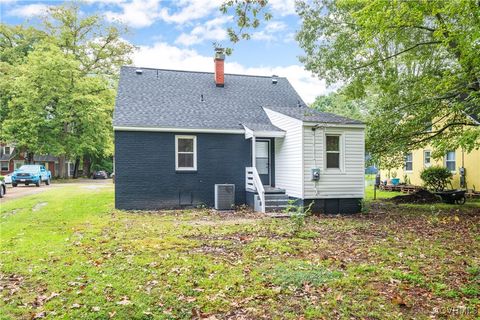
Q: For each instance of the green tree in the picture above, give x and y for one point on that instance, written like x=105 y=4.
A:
x=340 y=104
x=420 y=59
x=56 y=110
x=76 y=83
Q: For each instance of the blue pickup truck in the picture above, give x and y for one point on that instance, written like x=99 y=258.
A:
x=31 y=173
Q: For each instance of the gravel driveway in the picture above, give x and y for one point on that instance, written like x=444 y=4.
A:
x=22 y=190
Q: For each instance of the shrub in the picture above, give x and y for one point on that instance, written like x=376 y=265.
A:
x=436 y=177
x=298 y=215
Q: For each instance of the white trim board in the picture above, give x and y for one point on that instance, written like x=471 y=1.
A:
x=194 y=152
x=190 y=130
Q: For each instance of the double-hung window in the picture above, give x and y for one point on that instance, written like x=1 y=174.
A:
x=450 y=160
x=409 y=162
x=333 y=151
x=4 y=165
x=185 y=153
x=427 y=158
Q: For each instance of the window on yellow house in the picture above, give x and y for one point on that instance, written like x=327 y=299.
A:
x=450 y=160
x=409 y=162
x=427 y=158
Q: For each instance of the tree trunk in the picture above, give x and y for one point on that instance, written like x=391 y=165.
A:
x=87 y=163
x=29 y=157
x=62 y=172
x=75 y=170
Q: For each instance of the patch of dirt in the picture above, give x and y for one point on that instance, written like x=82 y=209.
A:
x=420 y=196
x=10 y=213
x=39 y=206
x=9 y=285
x=226 y=222
x=94 y=187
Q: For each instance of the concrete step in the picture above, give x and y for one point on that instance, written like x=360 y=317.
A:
x=276 y=196
x=276 y=202
x=275 y=208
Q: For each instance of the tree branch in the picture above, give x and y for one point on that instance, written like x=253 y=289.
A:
x=397 y=54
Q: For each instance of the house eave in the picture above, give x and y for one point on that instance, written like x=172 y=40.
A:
x=249 y=133
x=334 y=125
x=171 y=129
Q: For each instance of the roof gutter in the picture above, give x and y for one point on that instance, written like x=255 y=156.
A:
x=192 y=130
x=334 y=125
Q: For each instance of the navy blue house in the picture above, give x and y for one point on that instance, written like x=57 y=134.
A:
x=179 y=133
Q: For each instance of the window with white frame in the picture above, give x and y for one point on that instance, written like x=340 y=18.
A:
x=185 y=152
x=4 y=165
x=450 y=160
x=18 y=163
x=6 y=150
x=333 y=151
x=427 y=158
x=409 y=162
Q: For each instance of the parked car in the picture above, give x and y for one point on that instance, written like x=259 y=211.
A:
x=100 y=175
x=3 y=188
x=8 y=178
x=31 y=173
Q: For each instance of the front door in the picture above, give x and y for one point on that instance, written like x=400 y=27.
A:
x=262 y=154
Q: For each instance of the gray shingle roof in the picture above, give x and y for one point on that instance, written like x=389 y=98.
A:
x=6 y=157
x=311 y=115
x=173 y=99
x=45 y=158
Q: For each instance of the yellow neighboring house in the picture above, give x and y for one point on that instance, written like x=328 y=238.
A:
x=419 y=159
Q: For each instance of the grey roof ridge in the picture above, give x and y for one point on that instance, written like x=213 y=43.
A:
x=206 y=72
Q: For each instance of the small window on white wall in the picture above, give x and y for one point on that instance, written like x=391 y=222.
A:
x=185 y=152
x=450 y=160
x=333 y=151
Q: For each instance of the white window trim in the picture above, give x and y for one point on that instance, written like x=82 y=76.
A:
x=17 y=161
x=405 y=164
x=341 y=151
x=194 y=168
x=454 y=160
x=426 y=165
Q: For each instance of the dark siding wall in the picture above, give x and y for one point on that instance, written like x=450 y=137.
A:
x=332 y=206
x=145 y=176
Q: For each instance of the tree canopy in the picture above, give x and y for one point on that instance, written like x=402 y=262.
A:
x=420 y=59
x=58 y=84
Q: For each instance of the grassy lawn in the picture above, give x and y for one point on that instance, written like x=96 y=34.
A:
x=66 y=253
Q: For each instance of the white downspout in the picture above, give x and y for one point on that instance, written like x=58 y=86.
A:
x=253 y=152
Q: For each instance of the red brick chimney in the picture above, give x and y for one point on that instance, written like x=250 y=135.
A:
x=219 y=67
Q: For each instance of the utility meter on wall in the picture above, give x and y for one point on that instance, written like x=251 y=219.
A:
x=315 y=174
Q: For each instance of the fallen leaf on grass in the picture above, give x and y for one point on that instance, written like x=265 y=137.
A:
x=95 y=309
x=39 y=315
x=399 y=301
x=124 y=301
x=75 y=306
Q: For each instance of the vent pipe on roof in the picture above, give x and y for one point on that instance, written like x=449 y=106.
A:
x=219 y=67
x=299 y=104
x=201 y=98
x=139 y=71
x=274 y=79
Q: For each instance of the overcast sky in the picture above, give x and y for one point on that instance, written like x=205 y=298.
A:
x=179 y=35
